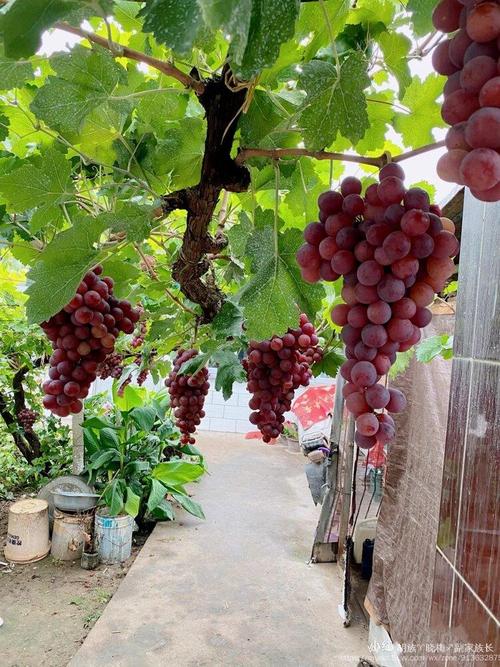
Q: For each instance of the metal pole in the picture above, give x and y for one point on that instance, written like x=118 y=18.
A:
x=78 y=446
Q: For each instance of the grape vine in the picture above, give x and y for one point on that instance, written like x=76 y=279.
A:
x=394 y=252
x=472 y=94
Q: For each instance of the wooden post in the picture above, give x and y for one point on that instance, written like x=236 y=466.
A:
x=78 y=447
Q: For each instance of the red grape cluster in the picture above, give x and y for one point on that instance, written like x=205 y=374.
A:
x=394 y=252
x=275 y=368
x=187 y=395
x=111 y=367
x=138 y=339
x=470 y=60
x=83 y=334
x=27 y=418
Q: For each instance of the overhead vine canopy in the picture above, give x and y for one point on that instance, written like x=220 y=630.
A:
x=184 y=144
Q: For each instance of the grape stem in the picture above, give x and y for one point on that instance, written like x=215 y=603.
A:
x=278 y=153
x=118 y=50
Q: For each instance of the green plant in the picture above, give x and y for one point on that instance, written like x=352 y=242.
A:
x=290 y=430
x=135 y=459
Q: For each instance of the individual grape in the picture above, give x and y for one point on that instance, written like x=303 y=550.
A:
x=339 y=314
x=391 y=190
x=394 y=213
x=391 y=289
x=366 y=294
x=422 y=317
x=477 y=72
x=310 y=274
x=379 y=312
x=363 y=373
x=422 y=294
x=405 y=268
x=369 y=272
x=377 y=233
x=367 y=424
x=350 y=335
x=382 y=364
x=314 y=233
x=334 y=223
x=348 y=294
x=371 y=194
x=458 y=106
x=391 y=169
x=445 y=245
x=385 y=433
x=440 y=268
x=455 y=138
x=492 y=194
x=448 y=166
x=415 y=222
x=356 y=403
x=343 y=262
x=357 y=316
x=480 y=169
x=327 y=248
x=399 y=330
x=457 y=48
x=346 y=368
x=446 y=16
x=327 y=273
x=489 y=95
x=476 y=49
x=308 y=256
x=404 y=308
x=377 y=396
x=364 y=353
x=381 y=257
x=483 y=22
x=397 y=401
x=452 y=84
x=347 y=238
x=353 y=205
x=441 y=59
x=483 y=129
x=435 y=225
x=364 y=441
x=363 y=251
x=374 y=335
x=330 y=202
x=350 y=186
x=448 y=225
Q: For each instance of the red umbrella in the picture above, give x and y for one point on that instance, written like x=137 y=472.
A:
x=314 y=405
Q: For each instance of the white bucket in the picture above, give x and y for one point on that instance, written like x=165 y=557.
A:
x=365 y=530
x=69 y=534
x=28 y=531
x=113 y=535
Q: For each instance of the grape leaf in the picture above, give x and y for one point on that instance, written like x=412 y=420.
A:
x=4 y=126
x=85 y=80
x=395 y=48
x=372 y=11
x=274 y=294
x=173 y=23
x=155 y=107
x=233 y=17
x=181 y=152
x=125 y=12
x=424 y=111
x=421 y=12
x=133 y=219
x=24 y=21
x=272 y=22
x=262 y=117
x=334 y=103
x=312 y=22
x=13 y=73
x=60 y=268
x=433 y=346
x=229 y=371
x=238 y=235
x=228 y=321
x=44 y=180
x=329 y=365
x=380 y=117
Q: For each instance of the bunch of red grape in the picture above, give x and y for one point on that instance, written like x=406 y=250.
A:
x=112 y=366
x=394 y=252
x=83 y=334
x=187 y=395
x=138 y=339
x=470 y=60
x=27 y=418
x=275 y=368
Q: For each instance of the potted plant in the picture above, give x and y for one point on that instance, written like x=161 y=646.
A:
x=291 y=434
x=136 y=463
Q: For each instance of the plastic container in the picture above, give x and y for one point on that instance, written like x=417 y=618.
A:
x=28 y=531
x=68 y=535
x=364 y=530
x=113 y=537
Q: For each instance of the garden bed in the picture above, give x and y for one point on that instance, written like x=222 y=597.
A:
x=49 y=607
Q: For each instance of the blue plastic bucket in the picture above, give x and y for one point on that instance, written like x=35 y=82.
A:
x=113 y=535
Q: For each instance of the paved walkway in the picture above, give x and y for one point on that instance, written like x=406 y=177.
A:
x=236 y=589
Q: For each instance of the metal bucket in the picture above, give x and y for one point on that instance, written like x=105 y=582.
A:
x=28 y=531
x=69 y=534
x=113 y=536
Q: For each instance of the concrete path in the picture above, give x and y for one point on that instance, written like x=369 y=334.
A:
x=236 y=589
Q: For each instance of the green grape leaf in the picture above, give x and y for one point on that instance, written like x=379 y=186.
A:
x=401 y=364
x=229 y=371
x=173 y=23
x=380 y=117
x=312 y=22
x=228 y=321
x=334 y=103
x=238 y=235
x=155 y=107
x=125 y=12
x=85 y=80
x=395 y=48
x=329 y=365
x=60 y=268
x=233 y=17
x=262 y=117
x=133 y=219
x=421 y=12
x=4 y=126
x=272 y=22
x=24 y=21
x=424 y=111
x=181 y=152
x=434 y=346
x=372 y=11
x=275 y=294
x=46 y=179
x=14 y=73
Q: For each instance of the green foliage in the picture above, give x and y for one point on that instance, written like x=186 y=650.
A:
x=135 y=459
x=441 y=345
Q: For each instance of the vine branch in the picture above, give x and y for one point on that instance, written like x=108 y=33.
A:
x=120 y=51
x=277 y=153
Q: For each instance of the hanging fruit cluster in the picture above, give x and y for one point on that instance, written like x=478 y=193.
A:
x=470 y=60
x=83 y=335
x=187 y=395
x=394 y=252
x=275 y=369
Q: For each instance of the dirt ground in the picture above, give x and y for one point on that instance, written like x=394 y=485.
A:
x=49 y=607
